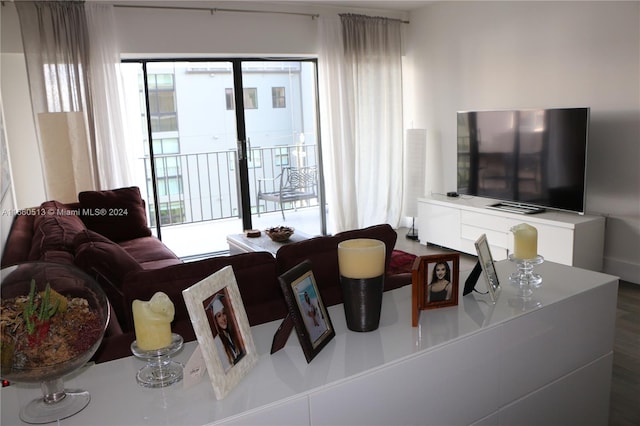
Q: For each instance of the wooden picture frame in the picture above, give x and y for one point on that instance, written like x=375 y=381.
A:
x=310 y=317
x=485 y=259
x=215 y=306
x=429 y=289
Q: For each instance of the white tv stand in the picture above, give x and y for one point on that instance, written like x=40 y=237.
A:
x=455 y=223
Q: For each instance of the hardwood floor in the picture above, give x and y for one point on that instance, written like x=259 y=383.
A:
x=625 y=383
x=624 y=409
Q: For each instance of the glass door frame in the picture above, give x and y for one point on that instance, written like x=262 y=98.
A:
x=244 y=188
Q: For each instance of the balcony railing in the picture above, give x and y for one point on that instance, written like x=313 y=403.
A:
x=204 y=186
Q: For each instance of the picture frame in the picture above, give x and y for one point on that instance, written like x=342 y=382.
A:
x=434 y=283
x=222 y=328
x=485 y=259
x=310 y=317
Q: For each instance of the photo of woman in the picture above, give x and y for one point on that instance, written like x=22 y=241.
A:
x=312 y=315
x=227 y=339
x=440 y=287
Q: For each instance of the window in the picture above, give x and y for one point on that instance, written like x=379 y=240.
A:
x=170 y=213
x=166 y=146
x=251 y=98
x=162 y=103
x=282 y=156
x=168 y=186
x=255 y=158
x=228 y=94
x=278 y=98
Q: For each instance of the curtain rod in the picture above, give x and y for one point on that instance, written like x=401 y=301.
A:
x=213 y=10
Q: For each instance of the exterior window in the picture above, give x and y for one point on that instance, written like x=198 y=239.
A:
x=282 y=156
x=166 y=146
x=251 y=98
x=228 y=95
x=169 y=186
x=277 y=97
x=162 y=103
x=255 y=158
x=170 y=213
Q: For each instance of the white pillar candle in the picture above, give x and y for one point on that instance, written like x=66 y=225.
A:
x=361 y=258
x=525 y=241
x=152 y=322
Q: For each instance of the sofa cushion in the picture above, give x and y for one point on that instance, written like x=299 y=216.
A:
x=255 y=274
x=96 y=254
x=54 y=229
x=150 y=252
x=118 y=214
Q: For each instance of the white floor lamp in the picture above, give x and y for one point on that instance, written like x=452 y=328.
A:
x=414 y=174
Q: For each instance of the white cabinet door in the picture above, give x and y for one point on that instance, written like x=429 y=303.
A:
x=439 y=225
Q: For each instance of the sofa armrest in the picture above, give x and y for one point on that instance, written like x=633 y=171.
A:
x=18 y=244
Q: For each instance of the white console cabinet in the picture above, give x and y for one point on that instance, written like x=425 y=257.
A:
x=543 y=360
x=456 y=223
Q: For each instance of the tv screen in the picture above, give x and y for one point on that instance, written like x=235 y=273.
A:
x=532 y=157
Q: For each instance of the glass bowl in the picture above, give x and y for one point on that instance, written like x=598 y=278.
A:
x=75 y=331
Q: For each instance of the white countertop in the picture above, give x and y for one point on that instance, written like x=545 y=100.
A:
x=116 y=398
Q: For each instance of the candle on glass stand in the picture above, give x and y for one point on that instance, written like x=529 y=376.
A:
x=525 y=241
x=152 y=322
x=155 y=343
x=525 y=255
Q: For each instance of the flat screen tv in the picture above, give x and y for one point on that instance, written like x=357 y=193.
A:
x=526 y=158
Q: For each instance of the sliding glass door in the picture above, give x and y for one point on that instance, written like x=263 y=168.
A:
x=214 y=137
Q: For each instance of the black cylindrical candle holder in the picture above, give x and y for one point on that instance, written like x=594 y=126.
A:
x=362 y=301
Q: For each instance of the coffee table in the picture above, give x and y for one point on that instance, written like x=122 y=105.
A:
x=240 y=243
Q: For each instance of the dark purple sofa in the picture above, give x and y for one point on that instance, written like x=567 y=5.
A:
x=129 y=263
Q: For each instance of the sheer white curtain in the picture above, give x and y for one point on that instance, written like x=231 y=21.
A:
x=113 y=151
x=69 y=77
x=360 y=76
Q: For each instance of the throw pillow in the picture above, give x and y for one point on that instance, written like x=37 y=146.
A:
x=117 y=214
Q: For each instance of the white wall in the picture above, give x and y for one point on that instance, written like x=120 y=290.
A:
x=494 y=55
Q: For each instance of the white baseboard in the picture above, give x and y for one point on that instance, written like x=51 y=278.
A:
x=627 y=271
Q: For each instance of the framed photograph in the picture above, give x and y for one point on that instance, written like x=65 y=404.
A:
x=310 y=317
x=434 y=283
x=485 y=259
x=222 y=329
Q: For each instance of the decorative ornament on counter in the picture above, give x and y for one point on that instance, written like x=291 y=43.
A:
x=279 y=234
x=152 y=321
x=525 y=241
x=525 y=256
x=361 y=262
x=53 y=320
x=155 y=343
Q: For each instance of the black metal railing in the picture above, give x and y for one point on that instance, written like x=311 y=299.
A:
x=204 y=186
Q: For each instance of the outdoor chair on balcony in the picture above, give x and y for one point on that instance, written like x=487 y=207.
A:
x=293 y=184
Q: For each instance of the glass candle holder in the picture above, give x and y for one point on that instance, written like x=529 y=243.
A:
x=161 y=371
x=524 y=278
x=361 y=262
